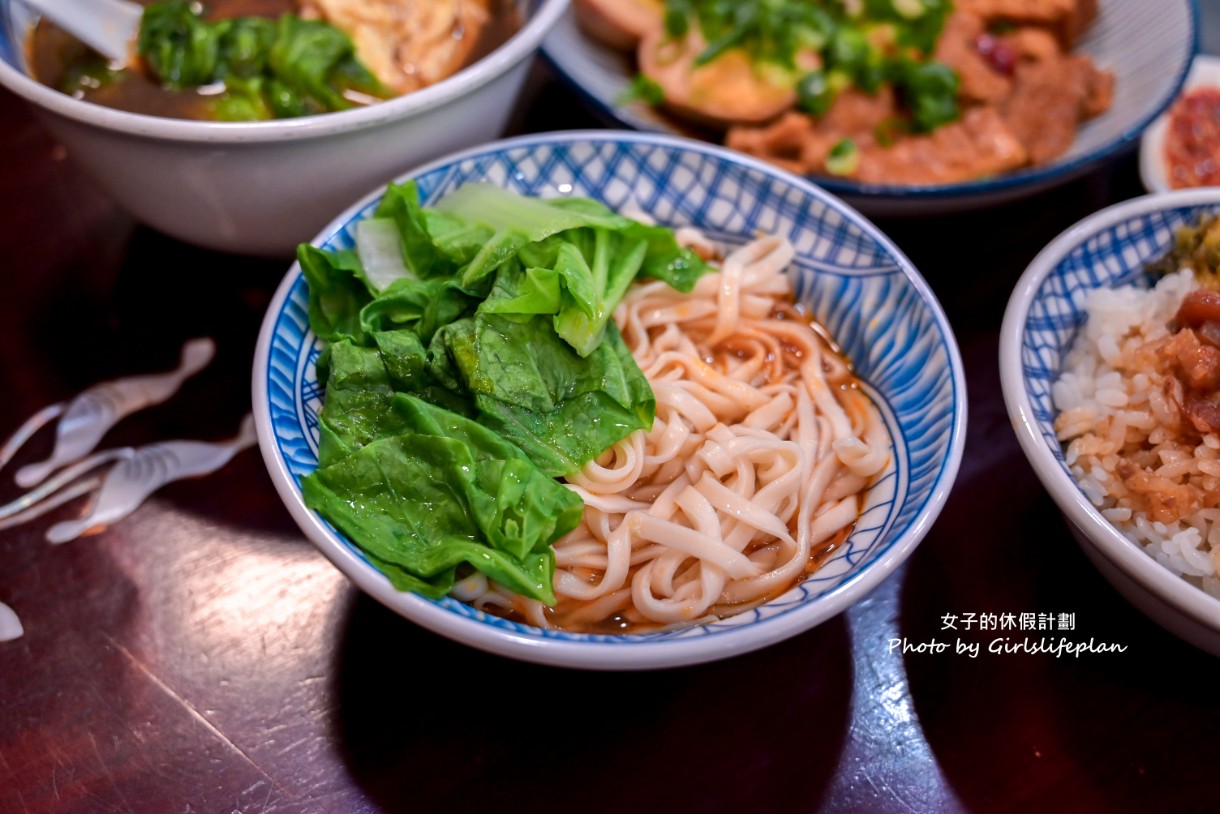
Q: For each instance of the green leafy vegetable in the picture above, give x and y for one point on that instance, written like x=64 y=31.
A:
x=88 y=74
x=270 y=68
x=424 y=306
x=471 y=360
x=337 y=292
x=318 y=61
x=529 y=385
x=446 y=491
x=641 y=89
x=243 y=100
x=178 y=46
x=245 y=45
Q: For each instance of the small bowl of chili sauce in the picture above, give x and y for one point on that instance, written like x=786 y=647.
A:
x=1181 y=149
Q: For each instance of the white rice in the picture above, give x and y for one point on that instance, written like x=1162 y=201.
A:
x=1112 y=413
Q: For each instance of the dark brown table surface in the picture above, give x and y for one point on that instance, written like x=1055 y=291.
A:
x=200 y=656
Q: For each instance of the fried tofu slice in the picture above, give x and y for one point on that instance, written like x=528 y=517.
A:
x=407 y=45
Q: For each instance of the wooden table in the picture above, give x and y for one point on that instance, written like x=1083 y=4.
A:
x=200 y=656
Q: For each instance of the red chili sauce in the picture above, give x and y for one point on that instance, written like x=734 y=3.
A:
x=1192 y=140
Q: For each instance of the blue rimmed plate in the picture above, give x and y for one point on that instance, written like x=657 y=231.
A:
x=853 y=279
x=1148 y=45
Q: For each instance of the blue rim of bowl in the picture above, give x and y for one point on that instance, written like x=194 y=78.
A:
x=1034 y=176
x=611 y=652
x=1049 y=466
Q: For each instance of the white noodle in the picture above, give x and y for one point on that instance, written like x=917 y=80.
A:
x=759 y=454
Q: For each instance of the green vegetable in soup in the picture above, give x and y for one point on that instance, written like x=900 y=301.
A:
x=471 y=360
x=270 y=68
x=178 y=47
x=89 y=74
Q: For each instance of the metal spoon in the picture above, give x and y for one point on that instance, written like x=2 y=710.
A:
x=107 y=26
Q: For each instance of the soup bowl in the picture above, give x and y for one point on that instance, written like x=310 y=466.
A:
x=849 y=276
x=261 y=188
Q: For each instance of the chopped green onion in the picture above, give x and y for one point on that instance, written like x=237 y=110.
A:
x=814 y=93
x=843 y=158
x=929 y=90
x=859 y=43
x=641 y=89
x=677 y=18
x=911 y=9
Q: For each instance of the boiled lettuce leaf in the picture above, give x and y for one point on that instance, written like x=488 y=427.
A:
x=380 y=250
x=359 y=390
x=472 y=368
x=422 y=252
x=421 y=305
x=337 y=292
x=443 y=492
x=594 y=253
x=529 y=385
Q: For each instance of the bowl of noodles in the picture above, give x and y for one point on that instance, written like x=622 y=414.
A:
x=243 y=126
x=1109 y=369
x=900 y=107
x=609 y=400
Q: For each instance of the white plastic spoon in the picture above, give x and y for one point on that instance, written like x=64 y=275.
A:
x=107 y=26
x=146 y=470
x=87 y=418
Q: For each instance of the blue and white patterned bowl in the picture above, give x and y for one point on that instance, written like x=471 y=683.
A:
x=1148 y=44
x=1107 y=249
x=854 y=280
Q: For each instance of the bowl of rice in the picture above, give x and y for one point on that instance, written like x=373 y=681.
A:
x=1110 y=367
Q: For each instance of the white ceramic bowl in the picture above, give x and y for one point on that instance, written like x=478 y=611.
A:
x=1148 y=44
x=1106 y=249
x=1154 y=172
x=902 y=346
x=262 y=187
